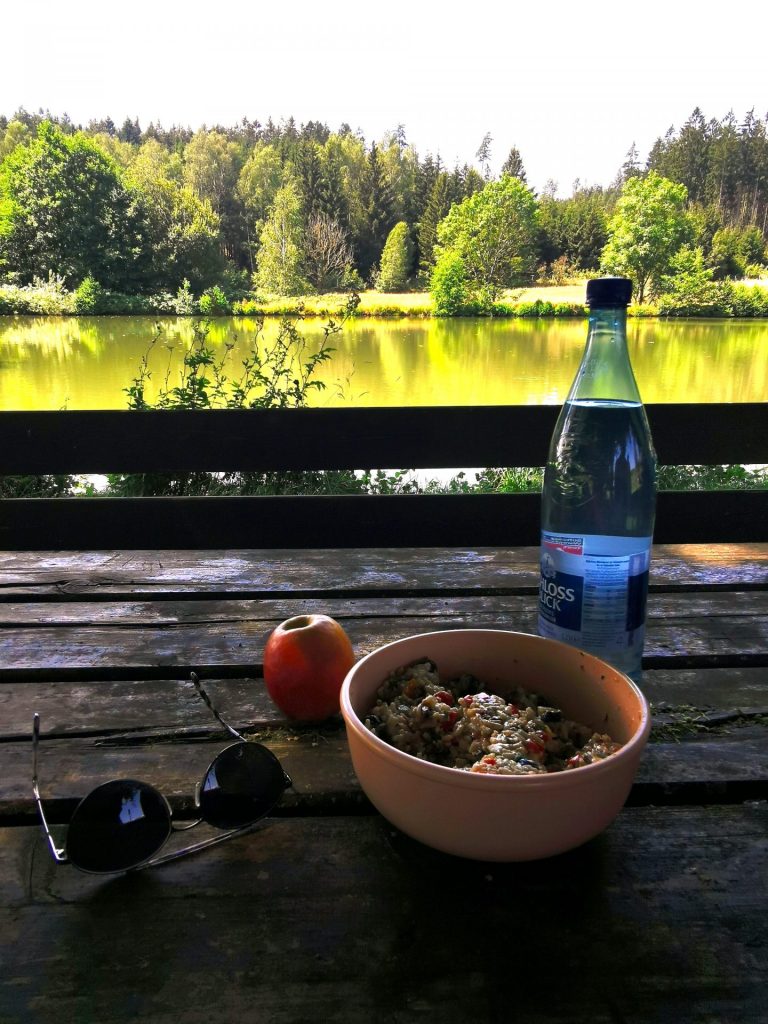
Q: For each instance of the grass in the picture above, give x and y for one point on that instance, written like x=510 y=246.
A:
x=376 y=303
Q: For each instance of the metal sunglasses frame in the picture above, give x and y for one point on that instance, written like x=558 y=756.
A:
x=59 y=853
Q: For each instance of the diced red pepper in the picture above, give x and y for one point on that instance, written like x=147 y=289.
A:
x=534 y=747
x=444 y=696
x=448 y=724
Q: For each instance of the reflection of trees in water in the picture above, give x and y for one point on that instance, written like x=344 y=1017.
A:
x=86 y=362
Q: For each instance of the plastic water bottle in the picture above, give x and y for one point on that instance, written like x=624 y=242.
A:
x=599 y=497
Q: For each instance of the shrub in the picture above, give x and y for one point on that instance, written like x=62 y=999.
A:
x=185 y=300
x=449 y=284
x=748 y=300
x=89 y=297
x=213 y=302
x=688 y=290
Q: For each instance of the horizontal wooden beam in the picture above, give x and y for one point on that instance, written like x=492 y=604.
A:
x=344 y=522
x=377 y=438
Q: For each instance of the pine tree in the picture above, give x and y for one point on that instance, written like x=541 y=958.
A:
x=513 y=165
x=483 y=155
x=437 y=207
x=377 y=208
x=310 y=173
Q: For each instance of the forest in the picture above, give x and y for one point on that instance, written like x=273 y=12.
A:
x=287 y=209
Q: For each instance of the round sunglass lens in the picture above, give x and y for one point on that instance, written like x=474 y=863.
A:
x=118 y=826
x=242 y=785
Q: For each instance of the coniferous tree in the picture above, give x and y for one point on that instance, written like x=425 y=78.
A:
x=378 y=213
x=483 y=155
x=396 y=260
x=513 y=165
x=310 y=172
x=437 y=208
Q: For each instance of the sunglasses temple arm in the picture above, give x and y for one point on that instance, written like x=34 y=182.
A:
x=213 y=841
x=58 y=854
x=204 y=695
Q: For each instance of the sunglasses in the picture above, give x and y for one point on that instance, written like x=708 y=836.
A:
x=123 y=824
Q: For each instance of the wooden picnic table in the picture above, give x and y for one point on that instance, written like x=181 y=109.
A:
x=326 y=912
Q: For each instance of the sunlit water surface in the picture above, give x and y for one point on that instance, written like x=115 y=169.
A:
x=85 y=363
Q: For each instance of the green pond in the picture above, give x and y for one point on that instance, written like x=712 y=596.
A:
x=59 y=362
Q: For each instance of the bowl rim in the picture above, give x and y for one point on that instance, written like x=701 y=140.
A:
x=631 y=750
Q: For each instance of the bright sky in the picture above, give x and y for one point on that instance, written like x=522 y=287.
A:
x=571 y=85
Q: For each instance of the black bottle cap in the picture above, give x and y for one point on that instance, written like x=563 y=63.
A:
x=608 y=291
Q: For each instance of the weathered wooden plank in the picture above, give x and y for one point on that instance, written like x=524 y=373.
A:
x=725 y=627
x=662 y=918
x=310 y=521
x=304 y=573
x=422 y=437
x=692 y=767
x=167 y=705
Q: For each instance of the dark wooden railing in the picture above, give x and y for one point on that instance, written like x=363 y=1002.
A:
x=311 y=439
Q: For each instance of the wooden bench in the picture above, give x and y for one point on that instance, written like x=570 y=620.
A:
x=327 y=439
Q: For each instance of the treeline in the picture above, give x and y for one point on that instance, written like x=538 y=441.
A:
x=288 y=208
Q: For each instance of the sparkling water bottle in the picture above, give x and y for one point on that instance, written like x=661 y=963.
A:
x=599 y=497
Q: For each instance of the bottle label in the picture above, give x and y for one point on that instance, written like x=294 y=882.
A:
x=593 y=593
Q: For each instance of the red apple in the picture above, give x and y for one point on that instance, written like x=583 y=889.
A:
x=305 y=661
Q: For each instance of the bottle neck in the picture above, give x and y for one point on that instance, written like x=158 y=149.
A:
x=605 y=372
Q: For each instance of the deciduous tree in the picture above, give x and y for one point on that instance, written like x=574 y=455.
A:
x=328 y=252
x=65 y=209
x=281 y=252
x=648 y=227
x=494 y=232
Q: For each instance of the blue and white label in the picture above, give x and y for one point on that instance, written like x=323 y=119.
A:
x=592 y=594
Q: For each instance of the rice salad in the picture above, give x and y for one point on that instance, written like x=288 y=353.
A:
x=457 y=724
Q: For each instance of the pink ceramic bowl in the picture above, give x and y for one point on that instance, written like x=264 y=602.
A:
x=500 y=817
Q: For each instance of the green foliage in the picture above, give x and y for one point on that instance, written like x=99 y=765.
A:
x=278 y=375
x=448 y=284
x=377 y=213
x=40 y=298
x=438 y=205
x=396 y=260
x=734 y=249
x=539 y=308
x=36 y=486
x=281 y=254
x=89 y=297
x=65 y=210
x=748 y=300
x=649 y=226
x=214 y=302
x=494 y=234
x=143 y=210
x=185 y=300
x=574 y=230
x=723 y=164
x=688 y=288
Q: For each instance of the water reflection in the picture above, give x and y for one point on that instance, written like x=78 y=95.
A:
x=81 y=363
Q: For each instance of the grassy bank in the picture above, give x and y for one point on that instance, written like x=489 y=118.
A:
x=741 y=299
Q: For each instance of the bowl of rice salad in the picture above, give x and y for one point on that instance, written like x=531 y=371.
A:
x=492 y=744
